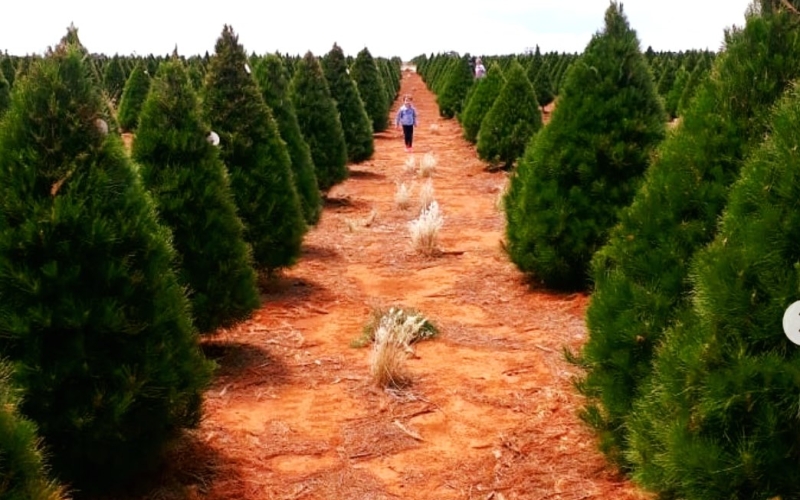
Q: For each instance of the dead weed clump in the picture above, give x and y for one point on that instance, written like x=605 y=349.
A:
x=425 y=229
x=426 y=195
x=427 y=166
x=402 y=197
x=354 y=225
x=410 y=164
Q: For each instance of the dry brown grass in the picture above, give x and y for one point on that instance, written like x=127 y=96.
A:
x=425 y=230
x=402 y=197
x=426 y=196
x=427 y=166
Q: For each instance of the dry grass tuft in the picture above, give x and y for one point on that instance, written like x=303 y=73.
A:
x=425 y=229
x=410 y=164
x=499 y=202
x=398 y=317
x=434 y=128
x=354 y=225
x=427 y=166
x=402 y=197
x=393 y=335
x=426 y=195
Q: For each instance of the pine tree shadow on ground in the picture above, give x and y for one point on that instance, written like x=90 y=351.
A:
x=366 y=175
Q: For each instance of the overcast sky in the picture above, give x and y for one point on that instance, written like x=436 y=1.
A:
x=396 y=28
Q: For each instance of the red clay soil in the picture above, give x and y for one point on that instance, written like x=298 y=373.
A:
x=491 y=412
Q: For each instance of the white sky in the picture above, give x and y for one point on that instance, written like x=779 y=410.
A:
x=396 y=28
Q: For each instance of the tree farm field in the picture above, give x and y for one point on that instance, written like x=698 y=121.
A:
x=490 y=411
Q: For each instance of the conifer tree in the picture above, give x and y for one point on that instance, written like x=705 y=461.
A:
x=8 y=69
x=319 y=122
x=719 y=419
x=192 y=190
x=255 y=155
x=586 y=164
x=543 y=86
x=480 y=102
x=93 y=318
x=640 y=275
x=133 y=97
x=700 y=71
x=5 y=94
x=23 y=475
x=456 y=84
x=114 y=78
x=355 y=122
x=511 y=121
x=273 y=80
x=370 y=87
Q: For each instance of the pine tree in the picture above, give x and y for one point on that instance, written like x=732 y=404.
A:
x=586 y=164
x=5 y=94
x=640 y=275
x=8 y=69
x=511 y=121
x=370 y=87
x=93 y=318
x=133 y=97
x=543 y=86
x=114 y=78
x=355 y=122
x=480 y=102
x=720 y=417
x=457 y=82
x=190 y=184
x=273 y=80
x=255 y=155
x=696 y=77
x=319 y=122
x=23 y=475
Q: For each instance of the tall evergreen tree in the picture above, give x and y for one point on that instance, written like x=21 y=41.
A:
x=720 y=417
x=319 y=122
x=256 y=156
x=640 y=275
x=190 y=184
x=457 y=82
x=586 y=164
x=8 y=69
x=273 y=80
x=23 y=475
x=480 y=102
x=92 y=315
x=543 y=86
x=370 y=88
x=114 y=78
x=511 y=121
x=355 y=122
x=133 y=97
x=5 y=94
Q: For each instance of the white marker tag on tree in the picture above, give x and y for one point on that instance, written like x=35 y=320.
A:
x=213 y=138
x=791 y=322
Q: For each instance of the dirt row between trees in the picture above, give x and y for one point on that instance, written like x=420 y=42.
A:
x=491 y=412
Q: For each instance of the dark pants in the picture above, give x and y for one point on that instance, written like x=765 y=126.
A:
x=408 y=134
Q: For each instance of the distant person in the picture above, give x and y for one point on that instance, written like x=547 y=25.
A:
x=407 y=117
x=480 y=70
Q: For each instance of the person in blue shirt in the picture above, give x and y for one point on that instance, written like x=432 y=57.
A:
x=407 y=118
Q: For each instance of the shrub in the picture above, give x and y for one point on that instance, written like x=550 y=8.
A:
x=191 y=187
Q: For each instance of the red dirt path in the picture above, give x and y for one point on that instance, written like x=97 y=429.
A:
x=292 y=413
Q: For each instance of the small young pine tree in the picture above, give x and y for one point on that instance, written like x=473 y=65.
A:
x=355 y=122
x=273 y=80
x=512 y=120
x=455 y=87
x=93 y=317
x=192 y=190
x=641 y=274
x=719 y=418
x=586 y=164
x=319 y=122
x=23 y=475
x=370 y=87
x=255 y=155
x=133 y=97
x=480 y=102
x=114 y=78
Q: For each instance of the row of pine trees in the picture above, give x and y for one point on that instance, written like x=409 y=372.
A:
x=112 y=262
x=685 y=238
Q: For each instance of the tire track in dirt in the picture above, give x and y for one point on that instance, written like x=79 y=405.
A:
x=292 y=412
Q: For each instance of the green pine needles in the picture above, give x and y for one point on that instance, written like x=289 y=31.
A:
x=319 y=122
x=511 y=121
x=371 y=89
x=133 y=97
x=480 y=102
x=354 y=119
x=93 y=317
x=192 y=190
x=587 y=163
x=255 y=155
x=273 y=80
x=641 y=274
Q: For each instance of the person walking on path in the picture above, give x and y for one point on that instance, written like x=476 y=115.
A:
x=407 y=117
